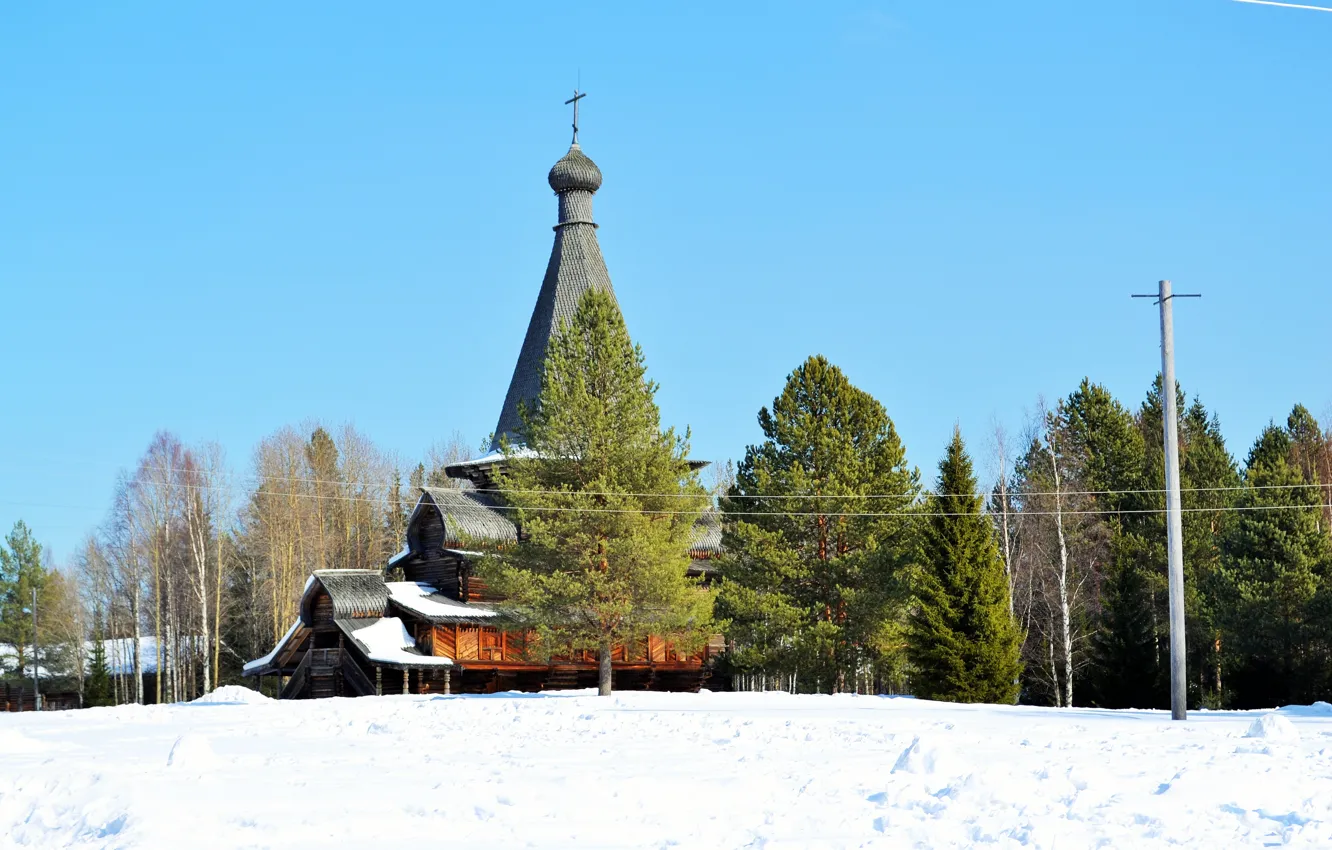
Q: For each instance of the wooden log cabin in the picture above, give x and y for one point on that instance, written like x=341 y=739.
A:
x=438 y=630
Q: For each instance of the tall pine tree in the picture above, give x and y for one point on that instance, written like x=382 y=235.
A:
x=605 y=499
x=818 y=538
x=964 y=644
x=21 y=573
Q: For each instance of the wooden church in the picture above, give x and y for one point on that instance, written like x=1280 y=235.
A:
x=439 y=630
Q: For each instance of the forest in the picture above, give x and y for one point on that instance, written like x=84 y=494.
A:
x=831 y=579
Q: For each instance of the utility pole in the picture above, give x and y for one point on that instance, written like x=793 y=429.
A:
x=36 y=691
x=1179 y=688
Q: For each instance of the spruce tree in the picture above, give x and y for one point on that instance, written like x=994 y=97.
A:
x=1275 y=563
x=818 y=538
x=964 y=645
x=97 y=689
x=1124 y=647
x=1210 y=480
x=605 y=500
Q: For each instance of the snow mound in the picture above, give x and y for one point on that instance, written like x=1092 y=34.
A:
x=191 y=752
x=1318 y=709
x=920 y=758
x=1273 y=727
x=13 y=742
x=232 y=695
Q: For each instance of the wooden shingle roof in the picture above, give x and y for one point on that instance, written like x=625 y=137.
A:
x=707 y=531
x=575 y=266
x=470 y=517
x=356 y=594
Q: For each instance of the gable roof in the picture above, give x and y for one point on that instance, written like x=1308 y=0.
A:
x=355 y=593
x=469 y=516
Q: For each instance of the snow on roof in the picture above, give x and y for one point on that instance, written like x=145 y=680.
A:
x=406 y=550
x=425 y=601
x=496 y=456
x=266 y=660
x=387 y=641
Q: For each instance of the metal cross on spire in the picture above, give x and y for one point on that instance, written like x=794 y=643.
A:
x=574 y=100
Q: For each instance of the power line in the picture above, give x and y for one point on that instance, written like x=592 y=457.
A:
x=1286 y=5
x=830 y=514
x=256 y=479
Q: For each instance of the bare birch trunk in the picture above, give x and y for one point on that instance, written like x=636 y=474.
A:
x=1064 y=612
x=197 y=524
x=217 y=614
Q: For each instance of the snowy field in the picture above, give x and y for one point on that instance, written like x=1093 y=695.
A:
x=659 y=770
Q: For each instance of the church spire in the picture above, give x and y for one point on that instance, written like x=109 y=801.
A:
x=575 y=266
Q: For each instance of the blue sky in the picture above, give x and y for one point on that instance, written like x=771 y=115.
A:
x=220 y=219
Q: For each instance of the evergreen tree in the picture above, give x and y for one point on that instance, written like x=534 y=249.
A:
x=1210 y=480
x=965 y=646
x=1275 y=563
x=1311 y=452
x=21 y=572
x=97 y=688
x=1125 y=646
x=1126 y=670
x=606 y=501
x=818 y=538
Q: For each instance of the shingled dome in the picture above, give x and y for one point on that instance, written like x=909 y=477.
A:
x=575 y=171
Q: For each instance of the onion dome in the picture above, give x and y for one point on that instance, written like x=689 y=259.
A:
x=574 y=172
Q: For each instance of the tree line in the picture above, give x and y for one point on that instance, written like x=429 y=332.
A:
x=1042 y=581
x=197 y=569
x=1048 y=584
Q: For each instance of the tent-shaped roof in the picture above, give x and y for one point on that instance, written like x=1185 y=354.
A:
x=575 y=266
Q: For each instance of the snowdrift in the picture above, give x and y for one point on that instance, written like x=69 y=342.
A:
x=647 y=770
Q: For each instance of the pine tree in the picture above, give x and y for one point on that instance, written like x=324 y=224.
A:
x=21 y=572
x=818 y=538
x=1275 y=564
x=964 y=646
x=605 y=499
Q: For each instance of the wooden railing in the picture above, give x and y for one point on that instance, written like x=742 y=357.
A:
x=299 y=679
x=354 y=676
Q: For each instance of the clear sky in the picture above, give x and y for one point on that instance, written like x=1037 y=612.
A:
x=224 y=218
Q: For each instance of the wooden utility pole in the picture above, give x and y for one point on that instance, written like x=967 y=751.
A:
x=1179 y=689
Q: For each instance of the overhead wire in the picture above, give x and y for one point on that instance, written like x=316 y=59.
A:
x=255 y=479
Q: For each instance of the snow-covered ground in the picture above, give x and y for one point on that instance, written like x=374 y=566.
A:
x=659 y=770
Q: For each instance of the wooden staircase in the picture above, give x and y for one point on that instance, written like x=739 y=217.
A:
x=325 y=680
x=561 y=678
x=296 y=685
